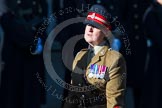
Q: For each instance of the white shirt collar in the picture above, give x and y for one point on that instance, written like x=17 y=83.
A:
x=97 y=48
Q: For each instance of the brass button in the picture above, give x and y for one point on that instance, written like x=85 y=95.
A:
x=111 y=7
x=98 y=1
x=83 y=96
x=34 y=2
x=135 y=5
x=137 y=37
x=135 y=16
x=18 y=1
x=136 y=26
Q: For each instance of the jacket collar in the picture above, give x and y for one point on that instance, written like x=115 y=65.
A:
x=98 y=56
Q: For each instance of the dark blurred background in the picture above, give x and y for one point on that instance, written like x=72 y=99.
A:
x=24 y=81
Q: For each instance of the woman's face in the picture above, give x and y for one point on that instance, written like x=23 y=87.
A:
x=93 y=35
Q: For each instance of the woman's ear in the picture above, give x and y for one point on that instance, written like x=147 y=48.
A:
x=107 y=33
x=109 y=36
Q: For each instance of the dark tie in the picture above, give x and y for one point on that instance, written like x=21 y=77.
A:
x=91 y=54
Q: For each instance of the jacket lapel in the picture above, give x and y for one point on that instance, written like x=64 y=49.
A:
x=81 y=60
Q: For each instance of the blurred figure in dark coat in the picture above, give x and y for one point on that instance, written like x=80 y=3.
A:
x=130 y=14
x=3 y=9
x=20 y=87
x=153 y=77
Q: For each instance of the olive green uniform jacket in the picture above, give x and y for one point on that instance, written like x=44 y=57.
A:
x=113 y=84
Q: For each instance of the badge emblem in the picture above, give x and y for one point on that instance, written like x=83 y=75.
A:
x=93 y=16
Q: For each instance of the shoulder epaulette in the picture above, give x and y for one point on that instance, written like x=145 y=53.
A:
x=85 y=49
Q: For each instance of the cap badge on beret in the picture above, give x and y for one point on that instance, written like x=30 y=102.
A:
x=92 y=16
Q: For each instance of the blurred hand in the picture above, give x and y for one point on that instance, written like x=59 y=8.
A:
x=36 y=47
x=116 y=44
x=160 y=2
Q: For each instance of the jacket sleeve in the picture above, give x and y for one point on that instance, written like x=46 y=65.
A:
x=115 y=88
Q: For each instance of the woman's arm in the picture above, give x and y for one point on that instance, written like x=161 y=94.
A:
x=115 y=88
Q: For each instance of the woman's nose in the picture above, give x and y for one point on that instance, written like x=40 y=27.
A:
x=91 y=29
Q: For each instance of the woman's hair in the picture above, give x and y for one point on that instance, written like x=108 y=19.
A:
x=107 y=41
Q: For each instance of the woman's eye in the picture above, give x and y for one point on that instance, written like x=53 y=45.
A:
x=89 y=25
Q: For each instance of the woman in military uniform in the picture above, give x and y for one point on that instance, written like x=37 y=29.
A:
x=99 y=72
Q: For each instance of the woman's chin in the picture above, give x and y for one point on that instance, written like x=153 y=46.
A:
x=88 y=40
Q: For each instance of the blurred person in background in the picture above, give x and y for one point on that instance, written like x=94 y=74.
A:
x=20 y=87
x=151 y=97
x=3 y=9
x=130 y=14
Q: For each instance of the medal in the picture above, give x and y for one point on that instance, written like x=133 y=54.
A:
x=101 y=76
x=97 y=71
x=90 y=75
x=98 y=76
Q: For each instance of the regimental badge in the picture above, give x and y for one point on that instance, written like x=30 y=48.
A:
x=97 y=71
x=93 y=15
